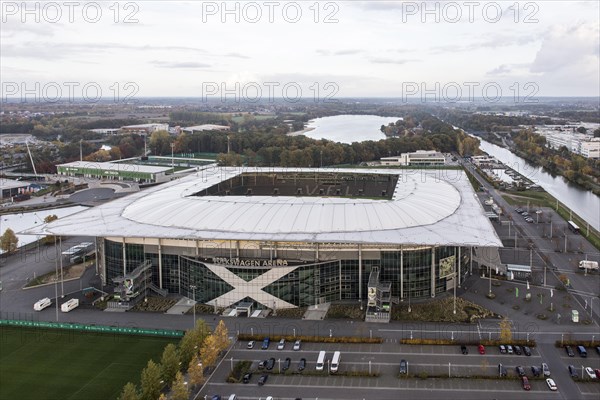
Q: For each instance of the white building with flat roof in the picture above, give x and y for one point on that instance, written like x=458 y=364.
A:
x=419 y=157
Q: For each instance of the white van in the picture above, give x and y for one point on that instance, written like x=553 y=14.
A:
x=233 y=397
x=69 y=305
x=335 y=362
x=41 y=304
x=321 y=361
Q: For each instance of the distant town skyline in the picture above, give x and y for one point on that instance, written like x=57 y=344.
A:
x=256 y=50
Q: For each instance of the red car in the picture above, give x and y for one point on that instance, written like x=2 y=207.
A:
x=526 y=385
x=597 y=371
x=481 y=349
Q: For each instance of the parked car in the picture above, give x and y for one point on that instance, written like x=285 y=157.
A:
x=263 y=379
x=286 y=364
x=265 y=343
x=517 y=350
x=247 y=377
x=501 y=370
x=481 y=349
x=582 y=351
x=250 y=344
x=509 y=349
x=551 y=385
x=262 y=364
x=502 y=349
x=216 y=397
x=535 y=371
x=569 y=351
x=520 y=370
x=573 y=371
x=525 y=382
x=302 y=364
x=296 y=345
x=597 y=371
x=281 y=344
x=598 y=350
x=270 y=364
x=463 y=349
x=403 y=367
x=545 y=369
x=590 y=372
x=527 y=350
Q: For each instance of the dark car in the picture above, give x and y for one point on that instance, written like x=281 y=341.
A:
x=518 y=350
x=403 y=367
x=501 y=370
x=270 y=364
x=573 y=371
x=535 y=371
x=247 y=377
x=286 y=364
x=265 y=343
x=262 y=364
x=520 y=370
x=569 y=351
x=216 y=397
x=463 y=349
x=527 y=350
x=302 y=364
x=502 y=349
x=598 y=350
x=582 y=351
x=262 y=380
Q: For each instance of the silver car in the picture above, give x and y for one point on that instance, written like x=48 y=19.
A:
x=545 y=369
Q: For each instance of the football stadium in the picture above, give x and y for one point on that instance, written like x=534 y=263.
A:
x=283 y=238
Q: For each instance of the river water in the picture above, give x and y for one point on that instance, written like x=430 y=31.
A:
x=583 y=202
x=356 y=128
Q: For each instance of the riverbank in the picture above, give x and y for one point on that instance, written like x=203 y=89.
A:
x=302 y=132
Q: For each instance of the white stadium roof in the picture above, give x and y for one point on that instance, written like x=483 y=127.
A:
x=428 y=207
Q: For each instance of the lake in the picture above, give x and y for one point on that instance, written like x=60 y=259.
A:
x=349 y=128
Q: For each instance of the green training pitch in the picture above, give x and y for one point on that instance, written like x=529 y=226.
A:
x=56 y=364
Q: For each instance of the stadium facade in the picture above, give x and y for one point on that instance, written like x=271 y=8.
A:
x=284 y=238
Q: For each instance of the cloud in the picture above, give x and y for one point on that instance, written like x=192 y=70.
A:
x=509 y=69
x=236 y=55
x=53 y=51
x=346 y=52
x=385 y=60
x=495 y=42
x=183 y=64
x=567 y=48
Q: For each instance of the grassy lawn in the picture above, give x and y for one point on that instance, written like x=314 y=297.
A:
x=56 y=364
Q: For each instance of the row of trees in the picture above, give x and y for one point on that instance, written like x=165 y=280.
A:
x=578 y=169
x=198 y=350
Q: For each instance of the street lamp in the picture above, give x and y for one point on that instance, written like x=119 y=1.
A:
x=193 y=287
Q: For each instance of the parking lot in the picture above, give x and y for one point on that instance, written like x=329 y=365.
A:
x=428 y=370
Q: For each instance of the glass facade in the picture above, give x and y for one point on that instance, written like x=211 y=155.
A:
x=409 y=271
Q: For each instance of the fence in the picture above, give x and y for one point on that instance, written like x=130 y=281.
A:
x=91 y=328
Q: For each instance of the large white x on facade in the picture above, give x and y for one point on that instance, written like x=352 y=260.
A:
x=252 y=289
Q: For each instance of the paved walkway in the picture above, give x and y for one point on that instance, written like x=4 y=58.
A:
x=317 y=312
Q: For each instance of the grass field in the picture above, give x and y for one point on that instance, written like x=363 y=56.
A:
x=56 y=364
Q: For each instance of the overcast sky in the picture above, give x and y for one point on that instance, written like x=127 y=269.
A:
x=375 y=48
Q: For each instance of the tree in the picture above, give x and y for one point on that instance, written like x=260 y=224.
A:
x=505 y=331
x=179 y=389
x=160 y=142
x=209 y=353
x=8 y=241
x=150 y=382
x=162 y=397
x=169 y=363
x=221 y=336
x=129 y=392
x=195 y=371
x=192 y=341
